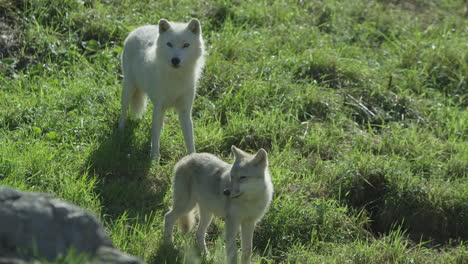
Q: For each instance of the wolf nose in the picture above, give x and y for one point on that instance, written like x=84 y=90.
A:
x=227 y=192
x=175 y=61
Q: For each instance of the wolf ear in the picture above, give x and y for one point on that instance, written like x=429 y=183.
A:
x=194 y=26
x=238 y=154
x=163 y=25
x=261 y=158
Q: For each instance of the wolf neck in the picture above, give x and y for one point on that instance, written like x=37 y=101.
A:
x=176 y=73
x=185 y=72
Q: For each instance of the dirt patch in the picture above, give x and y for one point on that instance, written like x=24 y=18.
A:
x=7 y=38
x=377 y=108
x=417 y=6
x=10 y=43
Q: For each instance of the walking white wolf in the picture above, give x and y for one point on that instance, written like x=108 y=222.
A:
x=239 y=193
x=164 y=63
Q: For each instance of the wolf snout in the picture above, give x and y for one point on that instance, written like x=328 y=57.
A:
x=227 y=192
x=175 y=62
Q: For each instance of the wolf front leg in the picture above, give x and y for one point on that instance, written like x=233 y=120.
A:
x=232 y=226
x=156 y=129
x=247 y=230
x=184 y=110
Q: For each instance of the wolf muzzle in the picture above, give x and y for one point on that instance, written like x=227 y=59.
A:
x=175 y=62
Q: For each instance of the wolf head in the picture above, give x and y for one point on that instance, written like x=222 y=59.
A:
x=180 y=45
x=249 y=175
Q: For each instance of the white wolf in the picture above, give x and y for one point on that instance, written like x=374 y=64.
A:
x=164 y=63
x=239 y=193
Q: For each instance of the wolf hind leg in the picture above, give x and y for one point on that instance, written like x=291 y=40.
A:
x=205 y=221
x=182 y=207
x=171 y=217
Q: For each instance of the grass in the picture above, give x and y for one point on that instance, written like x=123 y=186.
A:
x=360 y=104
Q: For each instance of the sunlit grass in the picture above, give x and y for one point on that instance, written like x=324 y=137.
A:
x=361 y=106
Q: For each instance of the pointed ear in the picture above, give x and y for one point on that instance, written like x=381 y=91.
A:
x=194 y=26
x=237 y=152
x=261 y=158
x=164 y=25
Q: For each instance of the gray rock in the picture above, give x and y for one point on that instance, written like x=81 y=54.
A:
x=36 y=226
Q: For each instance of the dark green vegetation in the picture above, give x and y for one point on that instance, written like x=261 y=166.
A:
x=360 y=104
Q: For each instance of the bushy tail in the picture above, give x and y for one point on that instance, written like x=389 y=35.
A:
x=186 y=222
x=138 y=103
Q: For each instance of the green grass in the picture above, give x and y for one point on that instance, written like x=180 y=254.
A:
x=360 y=104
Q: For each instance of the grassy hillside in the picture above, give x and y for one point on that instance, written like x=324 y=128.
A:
x=360 y=104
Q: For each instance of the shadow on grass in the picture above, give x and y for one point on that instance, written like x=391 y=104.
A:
x=171 y=255
x=124 y=183
x=166 y=254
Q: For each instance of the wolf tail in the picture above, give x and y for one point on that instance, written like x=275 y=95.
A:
x=186 y=222
x=138 y=102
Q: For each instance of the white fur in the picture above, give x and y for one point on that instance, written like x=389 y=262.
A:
x=148 y=71
x=239 y=193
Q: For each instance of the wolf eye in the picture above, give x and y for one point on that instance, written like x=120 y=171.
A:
x=169 y=44
x=186 y=45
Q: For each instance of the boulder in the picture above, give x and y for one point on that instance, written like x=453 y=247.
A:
x=35 y=226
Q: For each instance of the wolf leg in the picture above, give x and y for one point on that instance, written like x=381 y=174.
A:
x=232 y=227
x=247 y=230
x=171 y=217
x=183 y=202
x=205 y=221
x=169 y=221
x=156 y=129
x=184 y=111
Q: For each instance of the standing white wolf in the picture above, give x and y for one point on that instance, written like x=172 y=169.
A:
x=164 y=63
x=239 y=193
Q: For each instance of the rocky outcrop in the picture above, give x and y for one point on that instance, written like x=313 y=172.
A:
x=35 y=226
